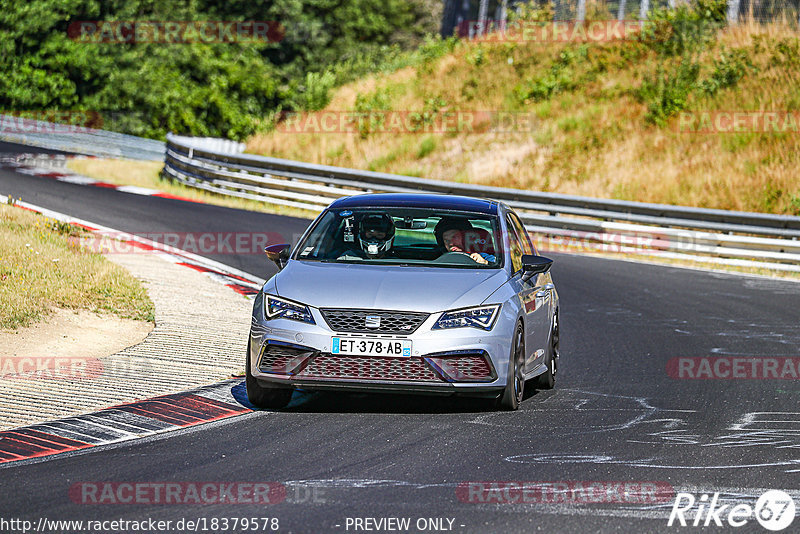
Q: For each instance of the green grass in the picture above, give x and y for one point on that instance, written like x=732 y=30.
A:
x=42 y=266
x=427 y=146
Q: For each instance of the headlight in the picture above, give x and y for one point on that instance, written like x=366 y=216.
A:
x=479 y=317
x=276 y=307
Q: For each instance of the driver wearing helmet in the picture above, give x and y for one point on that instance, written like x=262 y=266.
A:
x=376 y=234
x=375 y=237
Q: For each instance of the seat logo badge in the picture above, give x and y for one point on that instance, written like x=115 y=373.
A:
x=373 y=321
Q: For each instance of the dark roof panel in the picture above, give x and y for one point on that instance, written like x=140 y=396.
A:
x=414 y=200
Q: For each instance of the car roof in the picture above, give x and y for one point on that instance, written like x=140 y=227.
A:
x=415 y=200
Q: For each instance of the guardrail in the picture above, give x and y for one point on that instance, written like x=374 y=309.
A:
x=557 y=221
x=78 y=139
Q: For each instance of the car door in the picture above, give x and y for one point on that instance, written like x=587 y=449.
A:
x=535 y=294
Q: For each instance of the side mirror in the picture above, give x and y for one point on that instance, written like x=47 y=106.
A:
x=279 y=254
x=533 y=265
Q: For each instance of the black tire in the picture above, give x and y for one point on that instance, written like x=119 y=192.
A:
x=264 y=396
x=547 y=380
x=515 y=386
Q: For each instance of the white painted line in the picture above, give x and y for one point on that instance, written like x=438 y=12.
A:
x=75 y=179
x=136 y=190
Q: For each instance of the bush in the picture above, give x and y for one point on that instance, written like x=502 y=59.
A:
x=667 y=93
x=427 y=146
x=375 y=101
x=559 y=78
x=315 y=94
x=786 y=52
x=685 y=28
x=532 y=12
x=683 y=32
x=477 y=57
x=728 y=70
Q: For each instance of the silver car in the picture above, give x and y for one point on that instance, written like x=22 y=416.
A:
x=406 y=293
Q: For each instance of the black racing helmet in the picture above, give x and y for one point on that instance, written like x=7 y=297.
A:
x=376 y=234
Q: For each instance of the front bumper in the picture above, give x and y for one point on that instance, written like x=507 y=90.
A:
x=464 y=361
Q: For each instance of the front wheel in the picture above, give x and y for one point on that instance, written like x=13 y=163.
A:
x=515 y=385
x=264 y=396
x=547 y=380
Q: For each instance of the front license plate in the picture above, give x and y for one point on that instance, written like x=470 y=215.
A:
x=360 y=346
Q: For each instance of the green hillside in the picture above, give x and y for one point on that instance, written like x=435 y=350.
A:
x=642 y=118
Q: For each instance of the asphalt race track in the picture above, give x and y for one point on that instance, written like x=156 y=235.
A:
x=616 y=415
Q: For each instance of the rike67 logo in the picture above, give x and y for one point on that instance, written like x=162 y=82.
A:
x=774 y=510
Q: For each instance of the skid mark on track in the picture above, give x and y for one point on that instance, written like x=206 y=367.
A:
x=588 y=403
x=762 y=439
x=652 y=463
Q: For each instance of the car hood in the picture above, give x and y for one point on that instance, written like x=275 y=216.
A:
x=425 y=289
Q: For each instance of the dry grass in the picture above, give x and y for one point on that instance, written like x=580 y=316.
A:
x=147 y=174
x=121 y=171
x=42 y=267
x=591 y=139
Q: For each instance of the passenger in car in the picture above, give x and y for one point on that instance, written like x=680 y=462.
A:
x=458 y=235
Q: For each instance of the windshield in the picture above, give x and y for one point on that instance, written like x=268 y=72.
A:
x=402 y=236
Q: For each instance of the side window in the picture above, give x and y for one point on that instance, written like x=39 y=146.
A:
x=320 y=241
x=527 y=246
x=516 y=250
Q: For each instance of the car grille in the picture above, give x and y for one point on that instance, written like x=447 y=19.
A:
x=369 y=368
x=282 y=359
x=465 y=368
x=303 y=362
x=391 y=322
